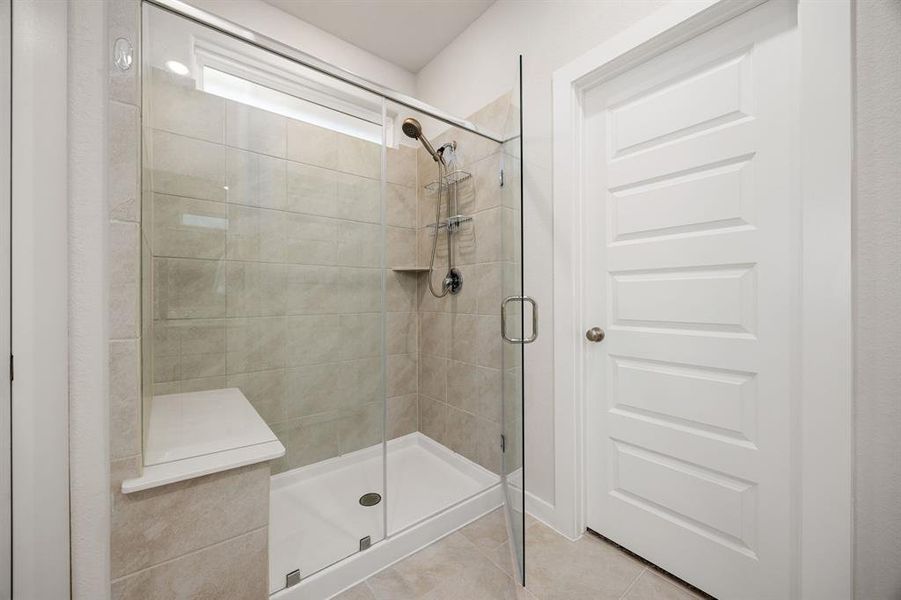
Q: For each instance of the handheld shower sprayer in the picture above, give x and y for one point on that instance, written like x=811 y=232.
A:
x=413 y=129
x=453 y=279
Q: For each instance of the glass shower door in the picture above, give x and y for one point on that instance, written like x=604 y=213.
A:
x=516 y=307
x=263 y=259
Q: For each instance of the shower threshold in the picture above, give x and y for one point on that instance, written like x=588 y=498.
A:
x=316 y=521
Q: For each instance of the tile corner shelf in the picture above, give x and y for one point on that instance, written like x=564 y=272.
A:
x=410 y=269
x=199 y=433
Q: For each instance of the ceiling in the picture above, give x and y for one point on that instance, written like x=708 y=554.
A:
x=408 y=33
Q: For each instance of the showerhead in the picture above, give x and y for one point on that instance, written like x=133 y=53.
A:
x=413 y=129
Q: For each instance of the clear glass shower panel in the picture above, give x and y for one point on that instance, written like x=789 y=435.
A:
x=517 y=311
x=444 y=401
x=263 y=247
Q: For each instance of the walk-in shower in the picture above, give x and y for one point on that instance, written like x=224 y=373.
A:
x=292 y=216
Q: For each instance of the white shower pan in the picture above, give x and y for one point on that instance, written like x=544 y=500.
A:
x=316 y=518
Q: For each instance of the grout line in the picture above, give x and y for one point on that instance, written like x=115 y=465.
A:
x=191 y=553
x=369 y=587
x=634 y=581
x=672 y=579
x=224 y=144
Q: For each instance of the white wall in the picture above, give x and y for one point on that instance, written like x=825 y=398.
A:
x=476 y=68
x=288 y=29
x=89 y=409
x=877 y=265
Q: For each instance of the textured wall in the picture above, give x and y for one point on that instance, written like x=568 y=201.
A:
x=877 y=265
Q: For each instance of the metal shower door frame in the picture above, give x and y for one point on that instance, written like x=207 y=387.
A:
x=293 y=54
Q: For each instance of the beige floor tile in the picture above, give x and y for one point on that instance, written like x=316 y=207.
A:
x=452 y=568
x=559 y=569
x=475 y=563
x=502 y=557
x=488 y=532
x=654 y=586
x=360 y=591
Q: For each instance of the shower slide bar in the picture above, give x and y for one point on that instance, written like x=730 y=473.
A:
x=261 y=41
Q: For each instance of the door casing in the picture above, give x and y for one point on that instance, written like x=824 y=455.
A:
x=822 y=457
x=39 y=313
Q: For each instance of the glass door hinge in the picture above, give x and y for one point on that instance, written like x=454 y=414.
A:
x=292 y=578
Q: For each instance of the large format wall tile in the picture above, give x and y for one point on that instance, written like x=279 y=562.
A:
x=177 y=106
x=401 y=166
x=462 y=432
x=360 y=427
x=312 y=145
x=188 y=228
x=256 y=179
x=124 y=284
x=307 y=440
x=256 y=344
x=188 y=288
x=402 y=415
x=184 y=166
x=156 y=525
x=123 y=174
x=235 y=569
x=359 y=157
x=310 y=289
x=125 y=400
x=359 y=198
x=402 y=370
x=433 y=419
x=400 y=205
x=258 y=130
x=401 y=332
x=255 y=289
x=267 y=233
x=312 y=190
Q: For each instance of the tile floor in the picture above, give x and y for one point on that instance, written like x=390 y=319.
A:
x=474 y=564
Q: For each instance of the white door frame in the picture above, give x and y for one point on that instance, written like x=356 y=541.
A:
x=6 y=534
x=822 y=412
x=40 y=276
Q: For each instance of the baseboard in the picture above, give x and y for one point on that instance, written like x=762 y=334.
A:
x=544 y=511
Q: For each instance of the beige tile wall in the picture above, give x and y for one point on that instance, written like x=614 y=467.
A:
x=267 y=246
x=205 y=538
x=460 y=360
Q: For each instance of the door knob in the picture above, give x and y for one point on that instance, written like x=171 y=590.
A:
x=595 y=334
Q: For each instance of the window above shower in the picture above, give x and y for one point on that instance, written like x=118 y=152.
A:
x=232 y=69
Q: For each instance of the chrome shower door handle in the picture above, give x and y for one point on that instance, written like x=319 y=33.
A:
x=523 y=340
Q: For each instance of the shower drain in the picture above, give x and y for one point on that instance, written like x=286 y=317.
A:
x=370 y=499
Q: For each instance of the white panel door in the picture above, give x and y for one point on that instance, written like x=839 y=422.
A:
x=692 y=228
